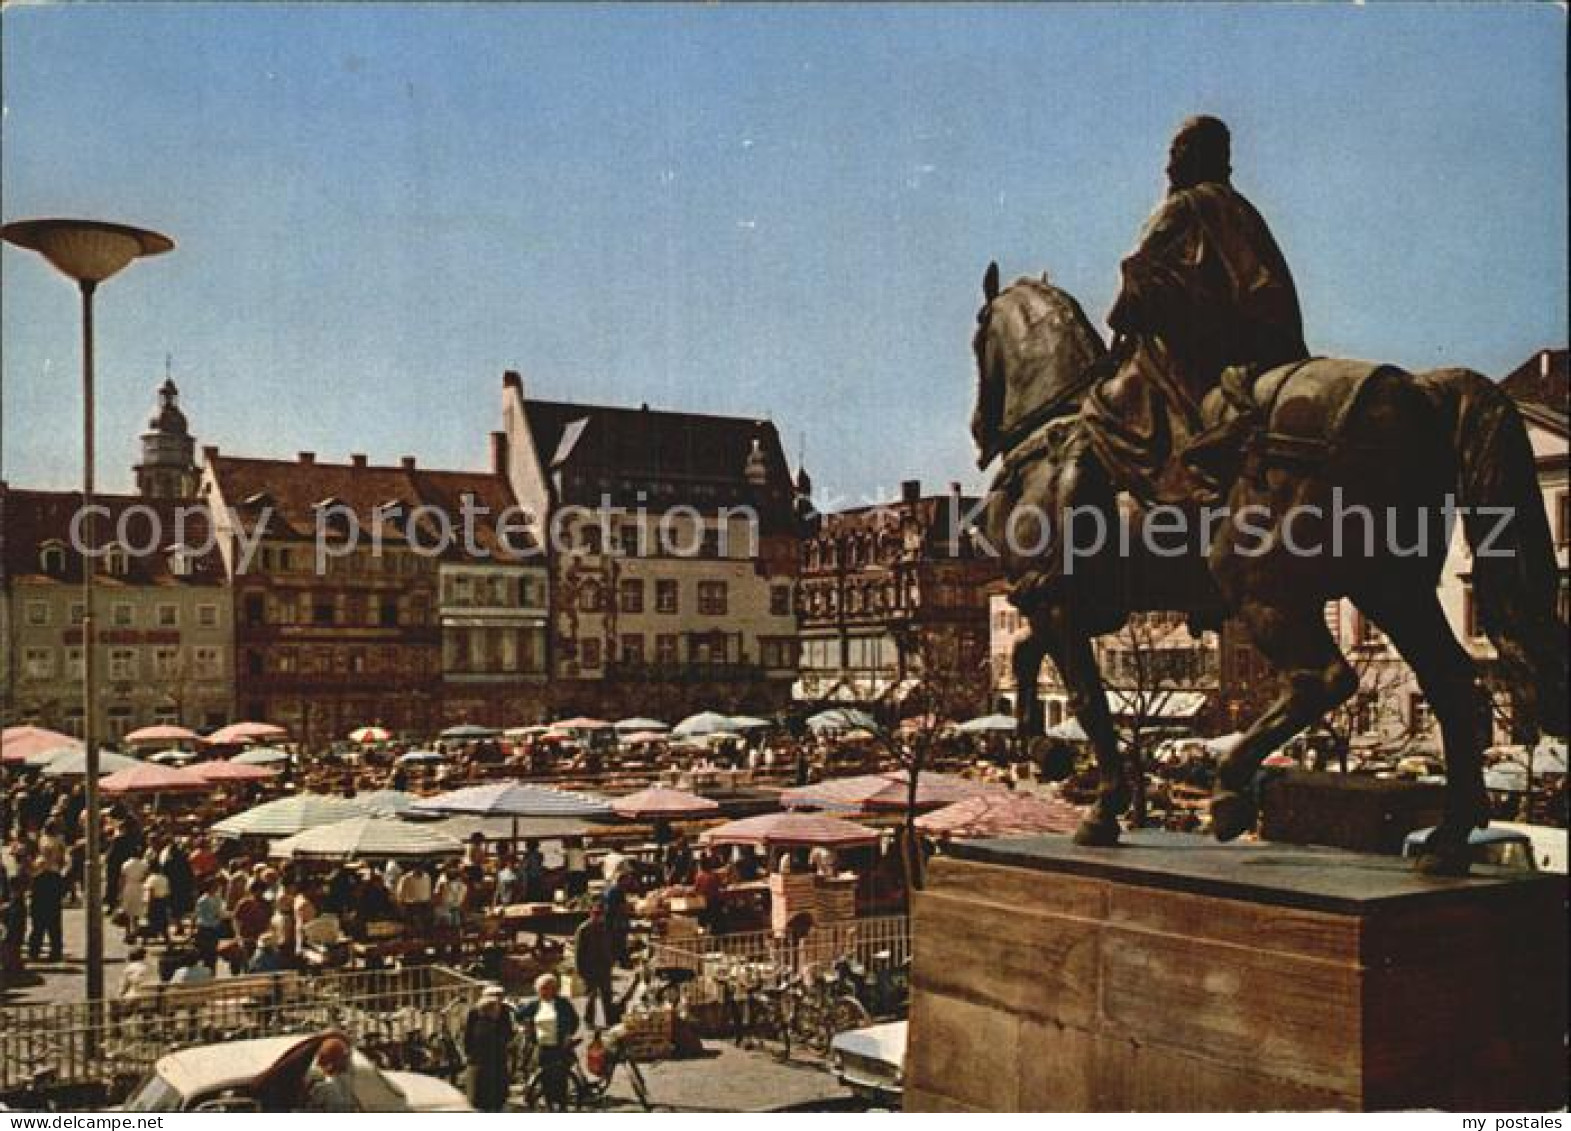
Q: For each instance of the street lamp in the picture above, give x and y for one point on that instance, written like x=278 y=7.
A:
x=88 y=251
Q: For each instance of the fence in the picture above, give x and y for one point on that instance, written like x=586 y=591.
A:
x=710 y=956
x=111 y=1044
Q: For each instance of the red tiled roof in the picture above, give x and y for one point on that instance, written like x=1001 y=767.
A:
x=1542 y=380
x=30 y=520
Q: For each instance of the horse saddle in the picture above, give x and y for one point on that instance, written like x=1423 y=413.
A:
x=1289 y=416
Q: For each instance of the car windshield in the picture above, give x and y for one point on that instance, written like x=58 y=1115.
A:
x=155 y=1094
x=1509 y=854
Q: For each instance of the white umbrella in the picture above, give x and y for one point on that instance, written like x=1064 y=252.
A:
x=367 y=838
x=421 y=757
x=1508 y=777
x=386 y=802
x=637 y=724
x=989 y=724
x=705 y=722
x=46 y=756
x=290 y=815
x=749 y=722
x=513 y=799
x=72 y=763
x=1069 y=730
x=261 y=756
x=842 y=718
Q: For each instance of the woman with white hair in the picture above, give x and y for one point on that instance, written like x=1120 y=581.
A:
x=550 y=1023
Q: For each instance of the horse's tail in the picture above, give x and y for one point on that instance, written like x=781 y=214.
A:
x=1515 y=577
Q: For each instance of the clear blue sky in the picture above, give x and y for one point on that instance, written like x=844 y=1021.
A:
x=733 y=209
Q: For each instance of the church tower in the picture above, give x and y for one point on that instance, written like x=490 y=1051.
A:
x=168 y=467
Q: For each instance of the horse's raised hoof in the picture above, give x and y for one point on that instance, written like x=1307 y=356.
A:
x=1097 y=832
x=1232 y=815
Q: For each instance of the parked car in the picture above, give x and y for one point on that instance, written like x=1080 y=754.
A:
x=871 y=1062
x=273 y=1074
x=1501 y=845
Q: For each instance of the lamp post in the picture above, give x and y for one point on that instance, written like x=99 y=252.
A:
x=88 y=251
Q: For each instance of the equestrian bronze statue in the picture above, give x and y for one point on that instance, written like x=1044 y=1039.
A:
x=1313 y=447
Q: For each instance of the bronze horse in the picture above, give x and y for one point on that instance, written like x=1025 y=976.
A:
x=1335 y=441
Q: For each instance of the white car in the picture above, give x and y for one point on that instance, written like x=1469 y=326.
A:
x=871 y=1061
x=272 y=1074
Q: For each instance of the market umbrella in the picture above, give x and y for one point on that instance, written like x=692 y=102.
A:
x=1003 y=813
x=221 y=772
x=385 y=802
x=989 y=724
x=174 y=757
x=236 y=733
x=469 y=730
x=749 y=722
x=44 y=757
x=705 y=722
x=145 y=777
x=885 y=791
x=841 y=718
x=421 y=757
x=369 y=735
x=581 y=722
x=638 y=737
x=1279 y=760
x=513 y=799
x=72 y=763
x=1069 y=730
x=170 y=735
x=918 y=723
x=289 y=815
x=525 y=732
x=21 y=743
x=367 y=838
x=658 y=801
x=772 y=830
x=1507 y=777
x=639 y=724
x=261 y=756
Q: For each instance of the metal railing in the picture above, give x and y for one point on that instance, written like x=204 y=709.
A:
x=712 y=957
x=110 y=1044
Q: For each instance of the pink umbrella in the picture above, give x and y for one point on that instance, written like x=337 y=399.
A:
x=17 y=744
x=1279 y=760
x=581 y=722
x=659 y=801
x=884 y=791
x=791 y=830
x=639 y=737
x=236 y=733
x=169 y=734
x=152 y=778
x=218 y=772
x=1001 y=814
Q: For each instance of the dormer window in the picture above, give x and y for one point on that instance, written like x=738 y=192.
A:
x=179 y=561
x=117 y=562
x=51 y=557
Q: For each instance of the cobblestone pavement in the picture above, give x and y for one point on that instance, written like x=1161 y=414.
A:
x=724 y=1079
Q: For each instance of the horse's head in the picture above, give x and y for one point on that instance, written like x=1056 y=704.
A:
x=1033 y=347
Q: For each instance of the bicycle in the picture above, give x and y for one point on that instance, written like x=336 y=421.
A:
x=824 y=1006
x=584 y=1089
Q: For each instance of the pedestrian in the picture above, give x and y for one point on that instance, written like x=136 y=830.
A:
x=45 y=898
x=576 y=857
x=488 y=1037
x=155 y=893
x=550 y=1023
x=594 y=960
x=133 y=895
x=532 y=865
x=450 y=897
x=617 y=916
x=414 y=897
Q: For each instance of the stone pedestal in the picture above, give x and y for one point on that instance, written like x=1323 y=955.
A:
x=1176 y=974
x=1352 y=811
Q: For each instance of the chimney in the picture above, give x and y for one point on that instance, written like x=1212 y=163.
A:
x=407 y=463
x=499 y=453
x=357 y=459
x=910 y=490
x=511 y=380
x=1543 y=365
x=307 y=457
x=209 y=453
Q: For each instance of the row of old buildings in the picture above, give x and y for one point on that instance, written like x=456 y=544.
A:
x=604 y=560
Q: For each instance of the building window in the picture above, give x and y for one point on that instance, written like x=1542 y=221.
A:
x=73 y=663
x=51 y=558
x=37 y=614
x=630 y=595
x=322 y=609
x=779 y=600
x=1419 y=718
x=591 y=598
x=39 y=663
x=632 y=649
x=168 y=616
x=78 y=612
x=776 y=654
x=255 y=609
x=166 y=715
x=119 y=722
x=122 y=663
x=207 y=616
x=667 y=599
x=1562 y=518
x=255 y=663
x=1470 y=621
x=589 y=652
x=389 y=612
x=117 y=561
x=712 y=598
x=665 y=648
x=166 y=663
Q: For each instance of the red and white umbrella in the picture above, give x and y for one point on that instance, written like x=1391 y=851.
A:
x=18 y=744
x=1001 y=814
x=220 y=772
x=236 y=733
x=659 y=801
x=151 y=778
x=791 y=830
x=172 y=735
x=370 y=735
x=884 y=792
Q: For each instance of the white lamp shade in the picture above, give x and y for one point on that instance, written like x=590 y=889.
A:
x=88 y=251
